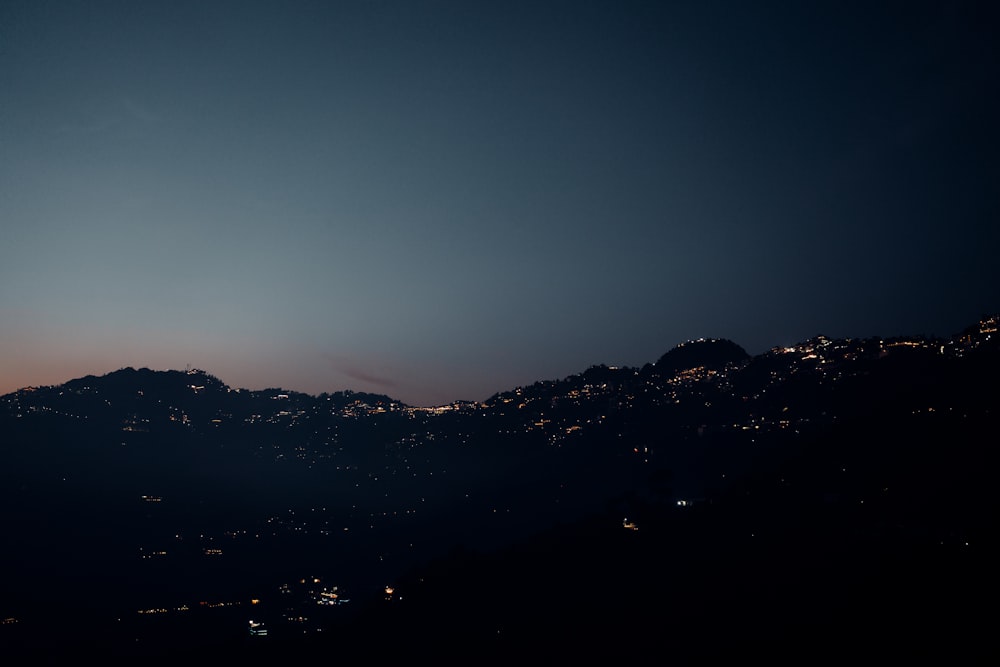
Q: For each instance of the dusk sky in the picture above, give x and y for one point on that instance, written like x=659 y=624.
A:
x=442 y=200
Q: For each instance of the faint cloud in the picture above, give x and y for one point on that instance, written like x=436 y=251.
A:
x=370 y=379
x=353 y=372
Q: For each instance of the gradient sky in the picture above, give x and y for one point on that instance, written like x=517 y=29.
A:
x=442 y=200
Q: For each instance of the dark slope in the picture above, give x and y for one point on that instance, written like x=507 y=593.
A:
x=798 y=505
x=709 y=353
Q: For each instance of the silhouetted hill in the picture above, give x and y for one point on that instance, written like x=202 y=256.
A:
x=710 y=353
x=710 y=507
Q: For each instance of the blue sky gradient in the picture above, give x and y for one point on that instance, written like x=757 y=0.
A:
x=441 y=200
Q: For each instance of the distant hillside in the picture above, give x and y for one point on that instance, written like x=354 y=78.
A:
x=761 y=499
x=713 y=353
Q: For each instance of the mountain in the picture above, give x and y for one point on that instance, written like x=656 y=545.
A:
x=705 y=353
x=764 y=505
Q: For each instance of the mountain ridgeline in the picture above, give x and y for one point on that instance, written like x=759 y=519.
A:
x=774 y=501
x=714 y=354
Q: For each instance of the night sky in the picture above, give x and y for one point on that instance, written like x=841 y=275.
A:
x=442 y=200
